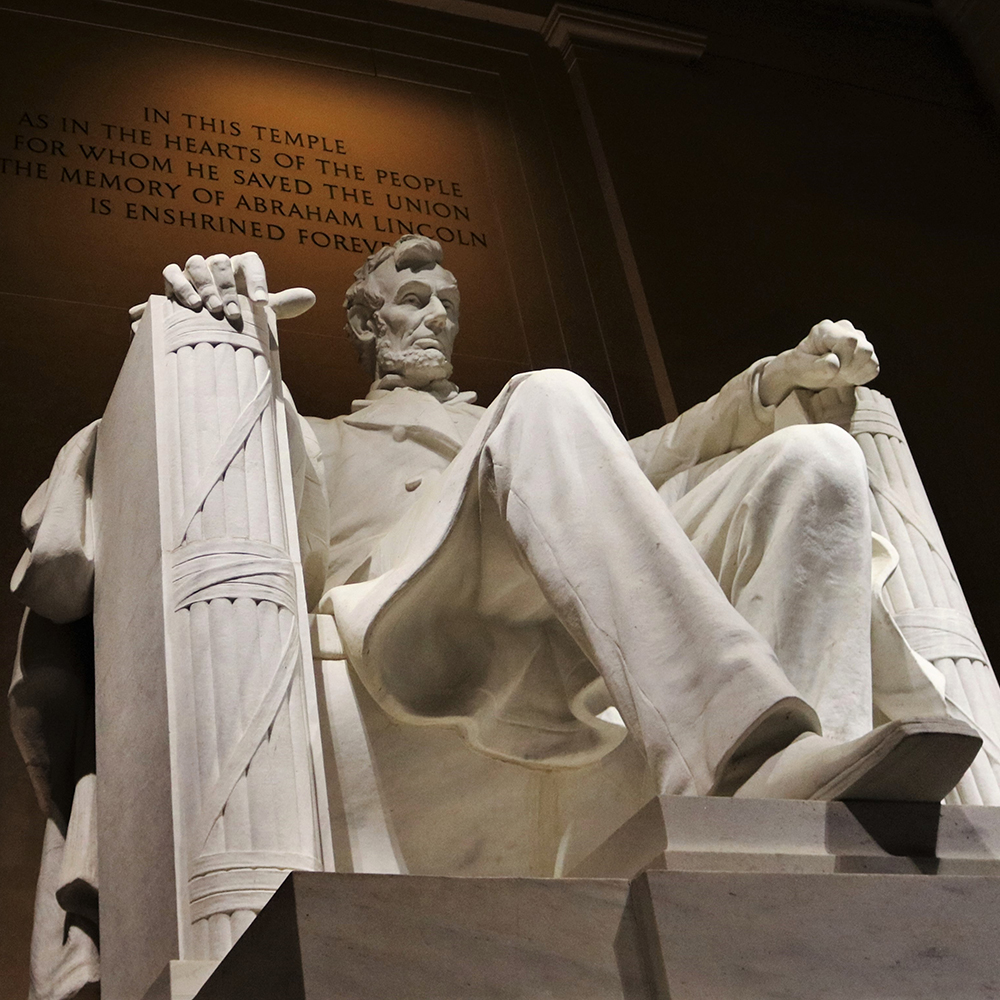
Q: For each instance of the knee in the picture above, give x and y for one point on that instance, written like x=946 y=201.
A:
x=822 y=456
x=554 y=389
x=555 y=410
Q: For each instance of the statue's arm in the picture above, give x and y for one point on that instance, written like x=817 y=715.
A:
x=833 y=357
x=731 y=419
x=312 y=505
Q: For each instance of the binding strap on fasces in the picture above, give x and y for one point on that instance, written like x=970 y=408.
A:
x=231 y=569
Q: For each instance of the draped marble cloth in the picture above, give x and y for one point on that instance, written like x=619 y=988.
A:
x=361 y=566
x=52 y=716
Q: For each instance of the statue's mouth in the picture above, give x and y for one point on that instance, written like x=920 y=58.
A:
x=427 y=343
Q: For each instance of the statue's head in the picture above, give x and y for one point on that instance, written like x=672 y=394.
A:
x=402 y=312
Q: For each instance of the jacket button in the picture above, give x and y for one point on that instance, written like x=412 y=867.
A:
x=399 y=433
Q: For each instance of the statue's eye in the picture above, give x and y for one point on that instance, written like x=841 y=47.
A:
x=412 y=299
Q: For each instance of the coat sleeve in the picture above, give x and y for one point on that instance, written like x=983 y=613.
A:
x=51 y=705
x=51 y=694
x=731 y=420
x=312 y=507
x=55 y=576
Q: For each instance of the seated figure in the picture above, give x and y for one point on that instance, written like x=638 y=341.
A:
x=515 y=573
x=489 y=568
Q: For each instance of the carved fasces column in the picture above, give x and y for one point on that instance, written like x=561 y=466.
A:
x=924 y=595
x=239 y=623
x=246 y=775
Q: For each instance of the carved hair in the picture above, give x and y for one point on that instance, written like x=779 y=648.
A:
x=414 y=252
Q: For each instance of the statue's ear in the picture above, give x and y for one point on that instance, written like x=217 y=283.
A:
x=361 y=320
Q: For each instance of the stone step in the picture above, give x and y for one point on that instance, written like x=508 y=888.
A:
x=773 y=835
x=327 y=936
x=750 y=936
x=682 y=935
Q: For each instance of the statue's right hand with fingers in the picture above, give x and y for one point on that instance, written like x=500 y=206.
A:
x=214 y=283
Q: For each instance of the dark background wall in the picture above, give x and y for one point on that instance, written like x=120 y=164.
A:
x=819 y=160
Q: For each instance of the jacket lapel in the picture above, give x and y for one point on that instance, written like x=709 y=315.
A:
x=421 y=415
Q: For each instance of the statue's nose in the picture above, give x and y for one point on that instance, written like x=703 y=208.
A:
x=437 y=315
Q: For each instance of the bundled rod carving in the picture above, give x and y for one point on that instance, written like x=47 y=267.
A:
x=251 y=812
x=924 y=594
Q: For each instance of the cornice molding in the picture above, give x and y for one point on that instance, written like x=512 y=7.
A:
x=568 y=25
x=481 y=12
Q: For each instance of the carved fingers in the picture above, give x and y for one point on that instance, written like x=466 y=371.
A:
x=177 y=286
x=251 y=279
x=135 y=314
x=291 y=302
x=216 y=282
x=844 y=351
x=221 y=269
x=832 y=356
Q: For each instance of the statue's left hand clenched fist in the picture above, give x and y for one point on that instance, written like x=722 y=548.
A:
x=831 y=356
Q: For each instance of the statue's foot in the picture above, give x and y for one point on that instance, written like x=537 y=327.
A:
x=911 y=760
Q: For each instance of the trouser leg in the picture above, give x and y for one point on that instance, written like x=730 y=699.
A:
x=698 y=687
x=785 y=528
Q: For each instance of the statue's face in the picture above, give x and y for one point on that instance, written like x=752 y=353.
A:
x=416 y=326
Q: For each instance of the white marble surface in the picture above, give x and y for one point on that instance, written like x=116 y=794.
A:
x=389 y=799
x=732 y=700
x=720 y=834
x=741 y=936
x=209 y=789
x=181 y=980
x=374 y=937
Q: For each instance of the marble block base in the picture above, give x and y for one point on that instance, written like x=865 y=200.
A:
x=750 y=936
x=326 y=936
x=180 y=980
x=790 y=836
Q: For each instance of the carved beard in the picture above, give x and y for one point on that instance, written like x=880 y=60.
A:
x=417 y=366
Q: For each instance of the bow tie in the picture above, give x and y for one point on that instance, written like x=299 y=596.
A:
x=442 y=389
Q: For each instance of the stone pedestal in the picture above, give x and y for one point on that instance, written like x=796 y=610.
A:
x=750 y=935
x=326 y=936
x=683 y=935
x=746 y=899
x=771 y=835
x=739 y=900
x=181 y=980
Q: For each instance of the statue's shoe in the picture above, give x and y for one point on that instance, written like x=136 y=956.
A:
x=910 y=760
